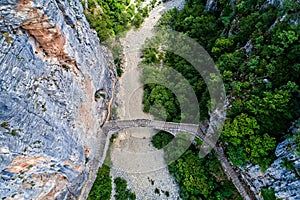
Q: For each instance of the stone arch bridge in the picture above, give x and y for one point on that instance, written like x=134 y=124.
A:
x=112 y=127
x=196 y=130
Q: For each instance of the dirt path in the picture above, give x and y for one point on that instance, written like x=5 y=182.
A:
x=133 y=156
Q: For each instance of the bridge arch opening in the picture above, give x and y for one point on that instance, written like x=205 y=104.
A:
x=177 y=146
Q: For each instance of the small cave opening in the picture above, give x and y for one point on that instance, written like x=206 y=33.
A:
x=100 y=94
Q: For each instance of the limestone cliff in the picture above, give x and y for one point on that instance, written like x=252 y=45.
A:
x=284 y=181
x=51 y=67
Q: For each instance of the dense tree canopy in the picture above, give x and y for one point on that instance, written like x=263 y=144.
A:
x=201 y=178
x=257 y=52
x=112 y=17
x=102 y=187
x=255 y=46
x=122 y=193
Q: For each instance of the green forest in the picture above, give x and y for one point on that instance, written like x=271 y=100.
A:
x=113 y=18
x=103 y=185
x=110 y=18
x=257 y=51
x=262 y=85
x=197 y=178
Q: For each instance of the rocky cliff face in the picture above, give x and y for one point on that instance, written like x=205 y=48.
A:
x=55 y=86
x=283 y=176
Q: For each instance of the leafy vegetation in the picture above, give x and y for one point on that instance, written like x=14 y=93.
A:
x=198 y=178
x=102 y=187
x=268 y=194
x=257 y=146
x=177 y=147
x=257 y=53
x=4 y=125
x=117 y=53
x=255 y=50
x=122 y=193
x=161 y=139
x=9 y=130
x=111 y=18
x=201 y=178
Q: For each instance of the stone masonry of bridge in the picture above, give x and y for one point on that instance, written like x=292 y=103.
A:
x=196 y=130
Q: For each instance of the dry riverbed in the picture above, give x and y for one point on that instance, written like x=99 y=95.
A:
x=132 y=154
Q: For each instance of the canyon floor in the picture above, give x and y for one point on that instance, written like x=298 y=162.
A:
x=132 y=154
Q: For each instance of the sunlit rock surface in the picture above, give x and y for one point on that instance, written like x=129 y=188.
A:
x=283 y=176
x=51 y=65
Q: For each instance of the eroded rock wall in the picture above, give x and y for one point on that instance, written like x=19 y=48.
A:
x=283 y=180
x=51 y=66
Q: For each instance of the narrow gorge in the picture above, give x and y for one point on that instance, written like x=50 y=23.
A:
x=62 y=93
